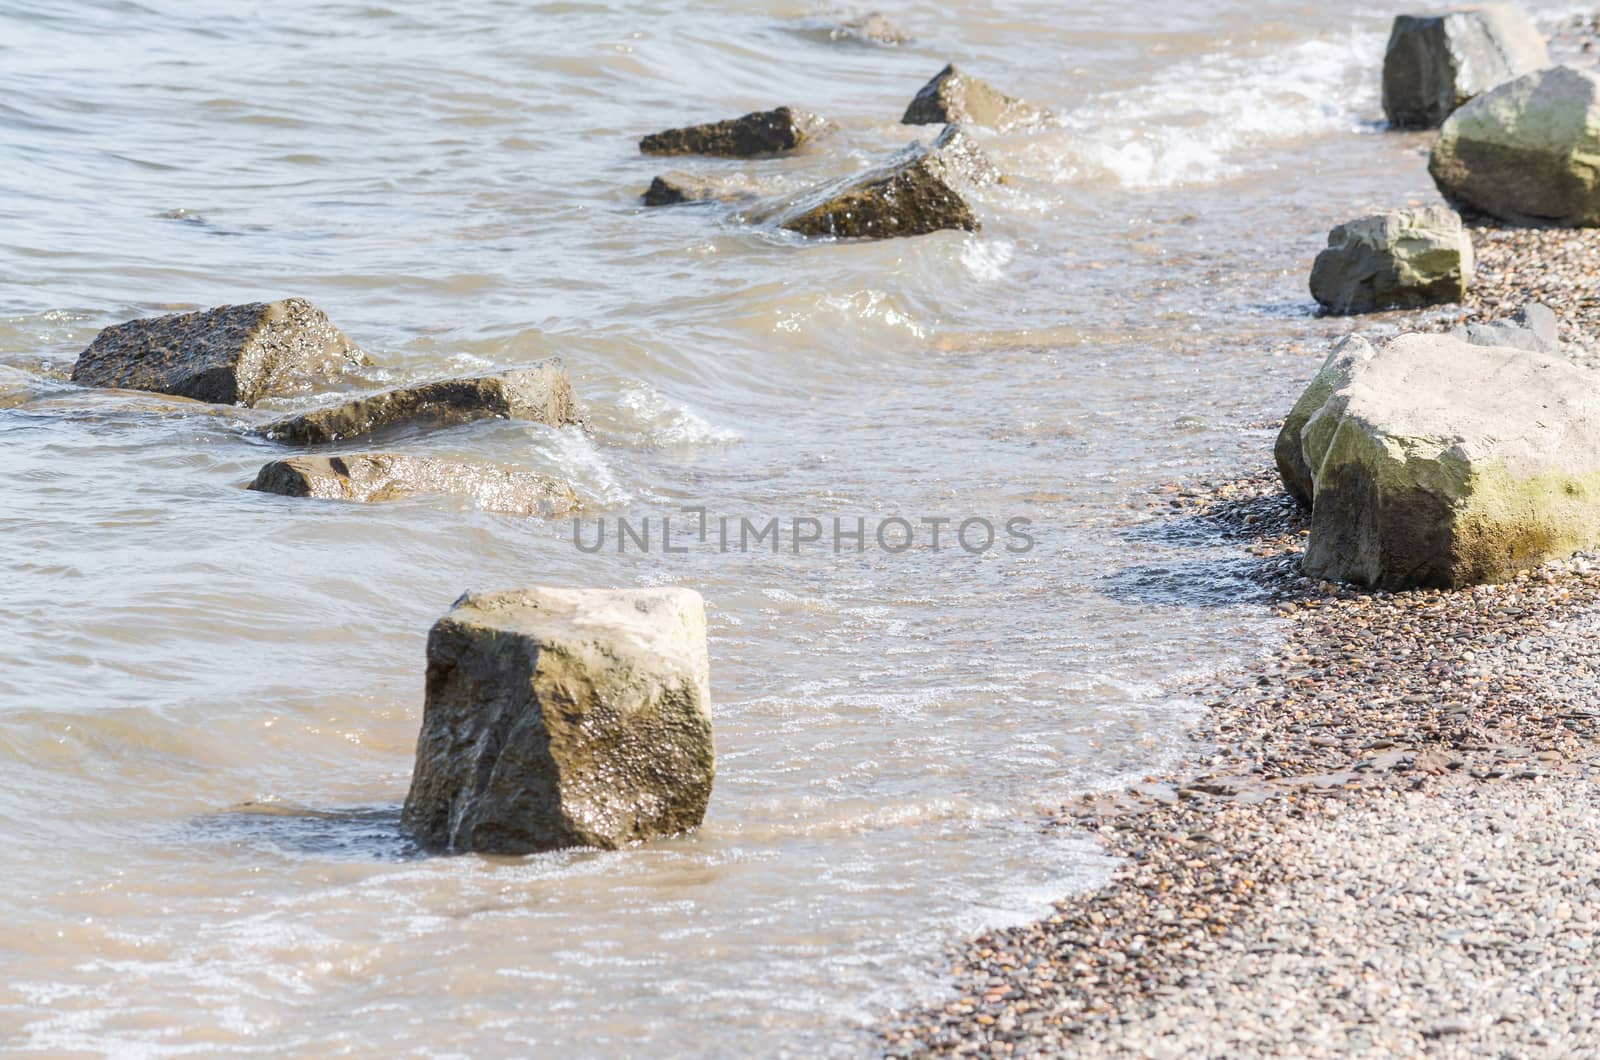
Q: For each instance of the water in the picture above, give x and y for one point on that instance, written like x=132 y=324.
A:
x=456 y=185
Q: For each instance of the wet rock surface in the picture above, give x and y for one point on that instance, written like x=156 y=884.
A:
x=1434 y=63
x=541 y=393
x=957 y=97
x=1383 y=843
x=671 y=189
x=228 y=355
x=1398 y=259
x=1524 y=152
x=563 y=717
x=917 y=191
x=768 y=132
x=376 y=477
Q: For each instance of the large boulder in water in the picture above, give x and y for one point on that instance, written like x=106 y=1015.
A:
x=917 y=191
x=1397 y=260
x=541 y=393
x=1528 y=151
x=767 y=132
x=230 y=355
x=956 y=97
x=375 y=477
x=1441 y=463
x=563 y=717
x=1435 y=63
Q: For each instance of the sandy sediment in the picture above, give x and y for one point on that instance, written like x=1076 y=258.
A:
x=1385 y=844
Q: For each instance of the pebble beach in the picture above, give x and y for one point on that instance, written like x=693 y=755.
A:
x=1383 y=844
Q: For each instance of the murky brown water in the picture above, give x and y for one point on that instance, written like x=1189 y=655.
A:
x=456 y=184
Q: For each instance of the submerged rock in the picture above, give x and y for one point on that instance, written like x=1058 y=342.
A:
x=541 y=393
x=1435 y=63
x=233 y=354
x=563 y=717
x=915 y=192
x=1289 y=450
x=766 y=132
x=669 y=189
x=1440 y=463
x=1400 y=259
x=1533 y=327
x=373 y=477
x=1528 y=151
x=953 y=96
x=871 y=28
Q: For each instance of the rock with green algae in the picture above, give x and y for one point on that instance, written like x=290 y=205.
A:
x=540 y=393
x=1402 y=259
x=767 y=132
x=229 y=355
x=563 y=717
x=1441 y=463
x=917 y=191
x=1289 y=450
x=377 y=477
x=1527 y=151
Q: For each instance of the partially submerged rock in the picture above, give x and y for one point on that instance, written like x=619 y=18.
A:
x=1399 y=259
x=563 y=717
x=229 y=355
x=541 y=393
x=670 y=189
x=953 y=96
x=1534 y=327
x=768 y=132
x=1527 y=151
x=1435 y=63
x=1440 y=463
x=871 y=28
x=1289 y=450
x=373 y=477
x=917 y=191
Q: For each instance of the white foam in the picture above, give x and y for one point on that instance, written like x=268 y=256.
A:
x=663 y=421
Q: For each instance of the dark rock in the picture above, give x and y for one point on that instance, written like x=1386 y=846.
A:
x=1435 y=63
x=915 y=192
x=228 y=355
x=541 y=393
x=373 y=477
x=953 y=96
x=761 y=133
x=670 y=189
x=563 y=717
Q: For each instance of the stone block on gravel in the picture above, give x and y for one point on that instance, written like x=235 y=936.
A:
x=377 y=477
x=1533 y=327
x=1400 y=259
x=1435 y=63
x=1289 y=450
x=230 y=355
x=541 y=393
x=563 y=717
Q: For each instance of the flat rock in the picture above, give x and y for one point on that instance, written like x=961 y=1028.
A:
x=1439 y=463
x=1435 y=63
x=670 y=189
x=563 y=717
x=918 y=190
x=230 y=355
x=1527 y=151
x=1402 y=259
x=541 y=393
x=1534 y=327
x=767 y=132
x=953 y=96
x=375 y=477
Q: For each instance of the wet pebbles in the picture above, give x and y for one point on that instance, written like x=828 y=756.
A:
x=1387 y=842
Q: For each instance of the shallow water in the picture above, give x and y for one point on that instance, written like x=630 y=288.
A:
x=457 y=187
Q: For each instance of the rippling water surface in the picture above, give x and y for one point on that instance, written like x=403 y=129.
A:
x=456 y=184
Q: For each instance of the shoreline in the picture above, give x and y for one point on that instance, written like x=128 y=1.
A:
x=1257 y=909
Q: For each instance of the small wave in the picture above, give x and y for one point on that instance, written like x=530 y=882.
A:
x=663 y=421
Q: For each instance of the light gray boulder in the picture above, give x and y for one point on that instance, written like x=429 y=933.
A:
x=1435 y=63
x=378 y=477
x=1440 y=463
x=1533 y=327
x=1527 y=151
x=1402 y=259
x=230 y=355
x=563 y=717
x=1289 y=450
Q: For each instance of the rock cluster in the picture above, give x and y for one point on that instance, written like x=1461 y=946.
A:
x=563 y=717
x=1435 y=63
x=1399 y=259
